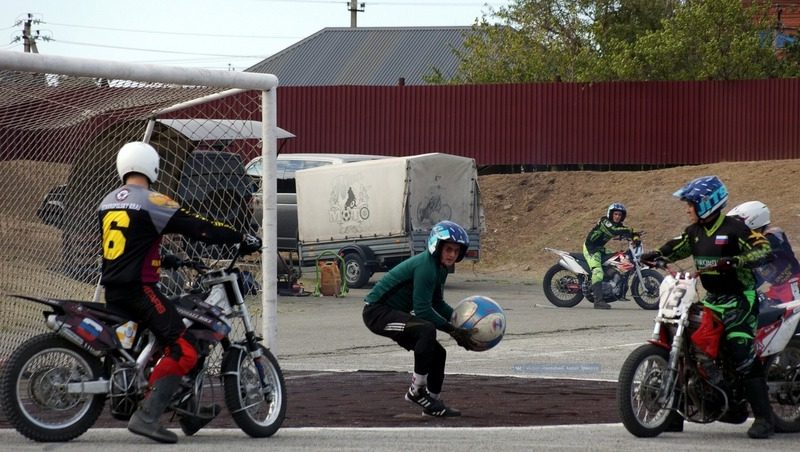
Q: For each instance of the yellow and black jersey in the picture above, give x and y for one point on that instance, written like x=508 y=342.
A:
x=132 y=221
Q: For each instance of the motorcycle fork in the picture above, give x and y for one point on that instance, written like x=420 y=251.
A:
x=250 y=338
x=667 y=390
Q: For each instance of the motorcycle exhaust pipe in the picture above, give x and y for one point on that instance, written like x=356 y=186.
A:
x=65 y=331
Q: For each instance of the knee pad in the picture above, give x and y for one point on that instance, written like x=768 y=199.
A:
x=179 y=359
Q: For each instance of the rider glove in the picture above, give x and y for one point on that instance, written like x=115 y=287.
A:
x=650 y=256
x=170 y=262
x=463 y=337
x=727 y=263
x=250 y=244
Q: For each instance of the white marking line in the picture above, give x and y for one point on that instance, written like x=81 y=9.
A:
x=521 y=376
x=316 y=374
x=584 y=350
x=450 y=429
x=379 y=429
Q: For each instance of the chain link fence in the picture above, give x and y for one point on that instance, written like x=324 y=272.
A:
x=59 y=136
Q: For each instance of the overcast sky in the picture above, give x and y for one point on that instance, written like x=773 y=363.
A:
x=214 y=34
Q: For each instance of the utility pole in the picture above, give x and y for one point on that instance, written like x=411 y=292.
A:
x=353 y=7
x=28 y=39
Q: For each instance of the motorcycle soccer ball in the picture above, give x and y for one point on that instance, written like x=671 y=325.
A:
x=484 y=314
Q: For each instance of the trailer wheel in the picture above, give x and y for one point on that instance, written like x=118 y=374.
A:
x=356 y=272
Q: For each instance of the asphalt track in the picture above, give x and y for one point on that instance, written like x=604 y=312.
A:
x=541 y=342
x=716 y=437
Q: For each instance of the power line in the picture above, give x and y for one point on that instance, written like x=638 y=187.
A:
x=370 y=3
x=210 y=35
x=156 y=51
x=471 y=5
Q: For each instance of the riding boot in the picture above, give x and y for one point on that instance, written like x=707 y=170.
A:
x=758 y=397
x=191 y=424
x=145 y=420
x=737 y=413
x=675 y=424
x=597 y=292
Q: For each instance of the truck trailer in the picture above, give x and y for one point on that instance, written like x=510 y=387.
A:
x=375 y=214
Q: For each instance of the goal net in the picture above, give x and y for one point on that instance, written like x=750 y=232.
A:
x=62 y=122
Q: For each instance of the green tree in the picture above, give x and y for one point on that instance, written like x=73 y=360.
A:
x=548 y=40
x=599 y=40
x=707 y=40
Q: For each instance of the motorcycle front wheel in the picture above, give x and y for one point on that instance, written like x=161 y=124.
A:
x=562 y=287
x=257 y=410
x=33 y=389
x=783 y=379
x=638 y=389
x=646 y=291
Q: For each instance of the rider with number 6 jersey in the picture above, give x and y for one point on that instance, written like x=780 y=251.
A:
x=132 y=220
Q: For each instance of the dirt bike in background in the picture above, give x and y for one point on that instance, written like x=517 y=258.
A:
x=779 y=293
x=676 y=375
x=570 y=280
x=55 y=385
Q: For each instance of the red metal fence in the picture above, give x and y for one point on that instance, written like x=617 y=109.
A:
x=602 y=124
x=626 y=123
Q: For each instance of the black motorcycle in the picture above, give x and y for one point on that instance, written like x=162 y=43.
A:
x=55 y=385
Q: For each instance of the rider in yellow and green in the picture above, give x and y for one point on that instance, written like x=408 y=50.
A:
x=610 y=226
x=730 y=250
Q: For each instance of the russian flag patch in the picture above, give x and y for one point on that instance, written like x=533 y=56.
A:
x=89 y=330
x=721 y=240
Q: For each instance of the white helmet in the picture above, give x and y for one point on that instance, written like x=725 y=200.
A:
x=755 y=214
x=138 y=157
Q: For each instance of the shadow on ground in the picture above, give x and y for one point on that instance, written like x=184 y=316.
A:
x=375 y=399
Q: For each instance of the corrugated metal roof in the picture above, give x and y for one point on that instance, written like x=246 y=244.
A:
x=367 y=56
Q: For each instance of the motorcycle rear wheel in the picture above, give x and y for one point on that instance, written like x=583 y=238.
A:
x=562 y=287
x=258 y=412
x=646 y=291
x=33 y=389
x=640 y=381
x=783 y=379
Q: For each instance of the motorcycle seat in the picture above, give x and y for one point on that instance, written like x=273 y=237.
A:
x=770 y=315
x=106 y=312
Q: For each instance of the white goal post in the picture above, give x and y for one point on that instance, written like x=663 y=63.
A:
x=62 y=121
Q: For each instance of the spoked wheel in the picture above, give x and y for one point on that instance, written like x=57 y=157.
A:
x=783 y=379
x=646 y=291
x=258 y=410
x=35 y=393
x=562 y=287
x=638 y=392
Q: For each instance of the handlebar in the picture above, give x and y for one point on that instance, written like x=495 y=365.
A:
x=674 y=269
x=173 y=262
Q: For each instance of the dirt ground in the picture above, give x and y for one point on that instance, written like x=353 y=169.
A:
x=527 y=212
x=375 y=399
x=485 y=401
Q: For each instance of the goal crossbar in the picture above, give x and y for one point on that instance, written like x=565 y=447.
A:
x=88 y=67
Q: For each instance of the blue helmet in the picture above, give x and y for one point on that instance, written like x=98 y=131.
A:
x=618 y=207
x=708 y=195
x=447 y=231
